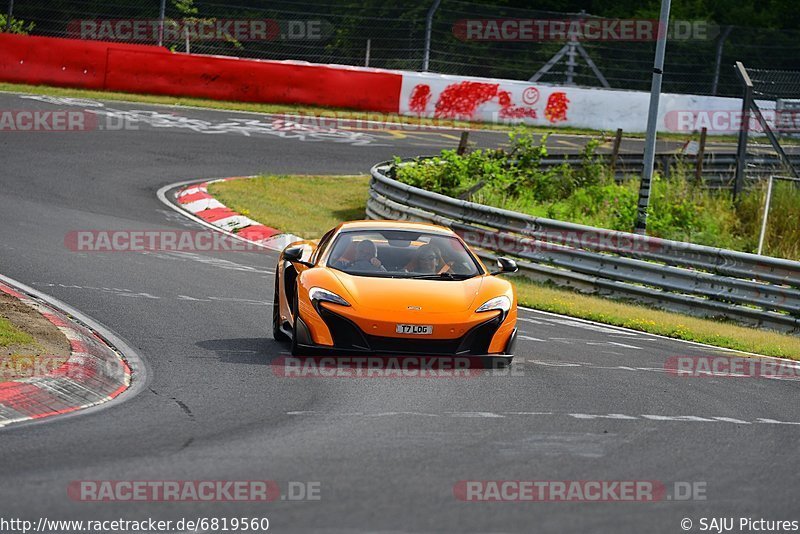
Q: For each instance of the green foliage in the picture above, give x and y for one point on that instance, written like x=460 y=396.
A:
x=509 y=175
x=17 y=26
x=185 y=7
x=680 y=208
x=783 y=224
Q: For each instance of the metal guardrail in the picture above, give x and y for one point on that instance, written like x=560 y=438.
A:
x=685 y=277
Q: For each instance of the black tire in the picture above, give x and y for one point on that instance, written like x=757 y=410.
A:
x=295 y=349
x=277 y=333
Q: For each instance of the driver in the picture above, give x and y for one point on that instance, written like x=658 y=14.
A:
x=367 y=257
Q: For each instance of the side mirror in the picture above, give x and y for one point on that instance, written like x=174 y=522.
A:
x=506 y=265
x=293 y=254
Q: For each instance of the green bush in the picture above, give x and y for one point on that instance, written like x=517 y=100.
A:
x=680 y=208
x=17 y=26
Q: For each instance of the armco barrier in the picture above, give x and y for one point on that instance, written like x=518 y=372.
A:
x=670 y=274
x=156 y=70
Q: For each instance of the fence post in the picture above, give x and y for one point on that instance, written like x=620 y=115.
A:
x=741 y=149
x=161 y=15
x=366 y=59
x=428 y=29
x=720 y=44
x=10 y=15
x=652 y=122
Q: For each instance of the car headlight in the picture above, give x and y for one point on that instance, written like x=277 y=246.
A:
x=317 y=293
x=502 y=303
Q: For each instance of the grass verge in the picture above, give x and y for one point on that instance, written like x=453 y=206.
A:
x=310 y=205
x=307 y=206
x=11 y=335
x=30 y=345
x=337 y=113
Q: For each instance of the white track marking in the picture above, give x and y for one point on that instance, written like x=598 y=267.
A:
x=209 y=260
x=527 y=320
x=528 y=338
x=624 y=345
x=622 y=418
x=561 y=363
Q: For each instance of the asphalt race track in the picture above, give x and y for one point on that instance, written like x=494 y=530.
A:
x=386 y=453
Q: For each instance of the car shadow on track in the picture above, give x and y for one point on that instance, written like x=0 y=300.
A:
x=250 y=350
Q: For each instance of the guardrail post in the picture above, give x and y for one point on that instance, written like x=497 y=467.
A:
x=615 y=151
x=462 y=144
x=701 y=152
x=764 y=219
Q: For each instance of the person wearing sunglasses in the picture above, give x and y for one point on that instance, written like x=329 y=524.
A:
x=427 y=260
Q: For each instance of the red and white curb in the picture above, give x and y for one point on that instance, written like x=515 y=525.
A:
x=94 y=373
x=195 y=199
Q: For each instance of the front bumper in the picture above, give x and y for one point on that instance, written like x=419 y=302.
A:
x=347 y=336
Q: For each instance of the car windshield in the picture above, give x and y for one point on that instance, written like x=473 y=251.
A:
x=402 y=254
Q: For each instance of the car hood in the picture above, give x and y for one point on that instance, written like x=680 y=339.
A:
x=432 y=296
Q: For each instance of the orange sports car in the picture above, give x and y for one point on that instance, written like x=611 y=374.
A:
x=393 y=287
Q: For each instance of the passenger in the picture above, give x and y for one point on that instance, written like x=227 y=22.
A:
x=454 y=259
x=427 y=260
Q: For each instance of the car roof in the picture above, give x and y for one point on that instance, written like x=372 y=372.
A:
x=394 y=225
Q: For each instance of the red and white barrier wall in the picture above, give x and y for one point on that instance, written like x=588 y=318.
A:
x=156 y=70
x=483 y=99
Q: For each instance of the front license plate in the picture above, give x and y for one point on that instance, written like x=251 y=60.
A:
x=417 y=329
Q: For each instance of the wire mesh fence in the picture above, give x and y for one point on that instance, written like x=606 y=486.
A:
x=777 y=141
x=392 y=36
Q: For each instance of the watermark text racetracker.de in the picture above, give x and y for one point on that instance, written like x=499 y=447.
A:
x=382 y=367
x=160 y=241
x=62 y=120
x=193 y=490
x=199 y=29
x=722 y=121
x=731 y=367
x=578 y=491
x=28 y=365
x=585 y=29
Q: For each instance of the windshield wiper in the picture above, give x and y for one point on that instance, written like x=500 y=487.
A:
x=441 y=276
